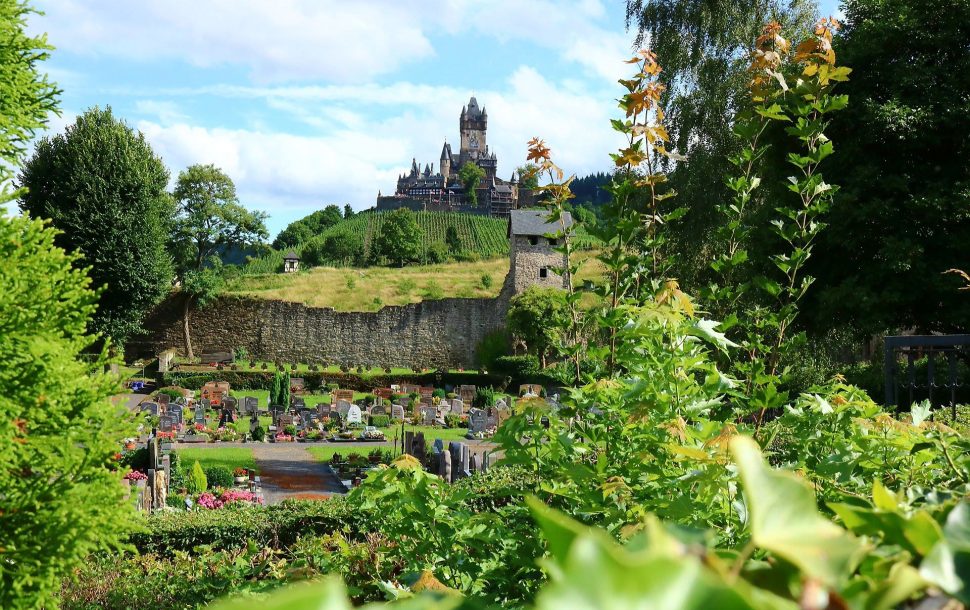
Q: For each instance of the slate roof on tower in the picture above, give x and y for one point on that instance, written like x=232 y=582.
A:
x=534 y=222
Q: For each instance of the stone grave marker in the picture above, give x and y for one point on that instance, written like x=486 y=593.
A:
x=353 y=415
x=465 y=470
x=343 y=407
x=397 y=412
x=178 y=414
x=473 y=463
x=151 y=407
x=298 y=403
x=229 y=403
x=199 y=416
x=427 y=396
x=445 y=469
x=163 y=399
x=335 y=417
x=458 y=406
x=467 y=393
x=297 y=386
x=429 y=415
x=342 y=395
x=439 y=445
x=477 y=421
x=491 y=417
x=166 y=422
x=250 y=405
x=204 y=403
x=378 y=410
x=418 y=449
x=410 y=388
x=287 y=420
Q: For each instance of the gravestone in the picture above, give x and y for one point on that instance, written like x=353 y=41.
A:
x=467 y=393
x=485 y=461
x=477 y=421
x=335 y=417
x=250 y=405
x=298 y=404
x=150 y=407
x=276 y=411
x=178 y=414
x=343 y=407
x=397 y=412
x=342 y=395
x=465 y=470
x=473 y=463
x=491 y=418
x=408 y=442
x=428 y=415
x=500 y=405
x=323 y=410
x=297 y=385
x=458 y=406
x=444 y=469
x=166 y=423
x=353 y=415
x=439 y=445
x=378 y=410
x=427 y=396
x=410 y=388
x=199 y=416
x=286 y=420
x=454 y=452
x=418 y=449
x=163 y=399
x=225 y=415
x=205 y=403
x=444 y=408
x=230 y=403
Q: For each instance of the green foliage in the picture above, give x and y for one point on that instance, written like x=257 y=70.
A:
x=103 y=187
x=197 y=481
x=493 y=345
x=27 y=97
x=487 y=281
x=301 y=231
x=60 y=430
x=903 y=141
x=209 y=217
x=518 y=367
x=484 y=397
x=470 y=176
x=399 y=240
x=339 y=247
x=453 y=240
x=433 y=290
x=258 y=434
x=536 y=318
x=217 y=476
x=279 y=393
x=380 y=421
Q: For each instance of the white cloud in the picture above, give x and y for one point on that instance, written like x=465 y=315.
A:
x=347 y=156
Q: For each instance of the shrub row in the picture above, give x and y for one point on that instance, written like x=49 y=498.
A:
x=276 y=526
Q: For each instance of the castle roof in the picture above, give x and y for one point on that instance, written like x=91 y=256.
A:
x=473 y=110
x=535 y=222
x=291 y=256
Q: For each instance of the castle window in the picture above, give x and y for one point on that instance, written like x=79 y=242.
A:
x=533 y=240
x=543 y=272
x=553 y=241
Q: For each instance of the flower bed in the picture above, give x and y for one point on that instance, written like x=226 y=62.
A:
x=210 y=501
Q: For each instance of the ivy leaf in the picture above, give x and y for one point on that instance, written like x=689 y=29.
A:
x=786 y=521
x=590 y=571
x=705 y=330
x=948 y=563
x=920 y=412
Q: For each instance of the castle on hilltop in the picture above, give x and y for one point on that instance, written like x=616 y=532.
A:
x=441 y=191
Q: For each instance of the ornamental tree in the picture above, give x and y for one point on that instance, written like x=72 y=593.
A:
x=103 y=188
x=59 y=430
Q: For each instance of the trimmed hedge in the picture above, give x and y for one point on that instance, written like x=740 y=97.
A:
x=276 y=526
x=519 y=367
x=263 y=380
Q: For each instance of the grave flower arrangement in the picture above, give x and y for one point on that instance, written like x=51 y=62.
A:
x=210 y=501
x=283 y=437
x=135 y=475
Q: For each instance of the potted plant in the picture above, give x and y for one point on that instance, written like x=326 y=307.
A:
x=241 y=475
x=375 y=456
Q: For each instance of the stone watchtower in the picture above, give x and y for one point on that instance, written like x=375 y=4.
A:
x=531 y=248
x=473 y=124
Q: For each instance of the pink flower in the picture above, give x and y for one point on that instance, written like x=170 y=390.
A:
x=134 y=475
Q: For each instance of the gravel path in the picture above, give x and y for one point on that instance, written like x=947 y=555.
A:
x=290 y=471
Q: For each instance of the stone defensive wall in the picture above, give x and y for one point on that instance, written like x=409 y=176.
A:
x=438 y=333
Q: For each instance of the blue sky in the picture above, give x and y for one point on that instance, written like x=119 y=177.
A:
x=310 y=102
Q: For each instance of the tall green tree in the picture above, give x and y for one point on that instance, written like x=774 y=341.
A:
x=703 y=47
x=399 y=239
x=60 y=500
x=209 y=218
x=103 y=188
x=537 y=317
x=902 y=217
x=27 y=98
x=301 y=231
x=470 y=175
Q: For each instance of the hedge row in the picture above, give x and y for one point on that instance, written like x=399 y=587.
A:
x=259 y=380
x=277 y=526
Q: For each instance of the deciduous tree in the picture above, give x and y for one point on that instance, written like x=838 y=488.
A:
x=470 y=175
x=537 y=317
x=103 y=188
x=399 y=240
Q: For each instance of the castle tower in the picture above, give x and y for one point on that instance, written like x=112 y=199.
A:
x=472 y=123
x=446 y=161
x=533 y=252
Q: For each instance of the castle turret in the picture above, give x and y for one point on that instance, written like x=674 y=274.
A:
x=446 y=160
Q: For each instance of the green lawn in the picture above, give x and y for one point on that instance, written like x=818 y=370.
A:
x=324 y=451
x=230 y=457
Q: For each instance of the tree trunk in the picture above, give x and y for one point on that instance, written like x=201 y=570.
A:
x=185 y=327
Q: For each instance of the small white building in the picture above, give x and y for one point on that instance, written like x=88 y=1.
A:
x=291 y=262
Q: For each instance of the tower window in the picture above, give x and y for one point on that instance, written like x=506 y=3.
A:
x=543 y=272
x=553 y=241
x=533 y=240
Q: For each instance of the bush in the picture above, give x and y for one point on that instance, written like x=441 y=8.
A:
x=197 y=481
x=380 y=421
x=484 y=398
x=258 y=433
x=437 y=253
x=453 y=420
x=439 y=392
x=218 y=476
x=526 y=366
x=275 y=526
x=493 y=346
x=432 y=290
x=172 y=393
x=487 y=281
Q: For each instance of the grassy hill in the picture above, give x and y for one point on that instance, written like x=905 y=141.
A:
x=369 y=289
x=481 y=236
